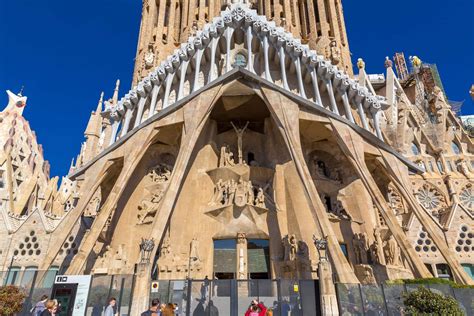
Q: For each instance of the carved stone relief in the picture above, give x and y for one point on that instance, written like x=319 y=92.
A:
x=240 y=193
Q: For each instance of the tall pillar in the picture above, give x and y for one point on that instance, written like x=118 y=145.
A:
x=242 y=257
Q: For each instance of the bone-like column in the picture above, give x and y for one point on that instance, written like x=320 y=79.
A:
x=154 y=97
x=266 y=48
x=212 y=68
x=126 y=123
x=283 y=66
x=228 y=41
x=115 y=127
x=197 y=69
x=347 y=107
x=169 y=83
x=332 y=99
x=376 y=118
x=182 y=78
x=362 y=116
x=314 y=80
x=300 y=77
x=141 y=105
x=249 y=49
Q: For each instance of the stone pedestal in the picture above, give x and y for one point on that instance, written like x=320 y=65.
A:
x=327 y=289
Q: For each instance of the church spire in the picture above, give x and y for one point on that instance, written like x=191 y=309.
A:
x=99 y=105
x=116 y=92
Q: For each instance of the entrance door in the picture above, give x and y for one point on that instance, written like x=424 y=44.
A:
x=65 y=294
x=224 y=259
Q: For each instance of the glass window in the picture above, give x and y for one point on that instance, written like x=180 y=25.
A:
x=12 y=276
x=28 y=276
x=344 y=250
x=225 y=258
x=443 y=271
x=240 y=60
x=455 y=148
x=415 y=149
x=450 y=166
x=469 y=268
x=431 y=166
x=258 y=254
x=440 y=166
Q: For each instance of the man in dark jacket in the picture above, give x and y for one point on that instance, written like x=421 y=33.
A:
x=154 y=309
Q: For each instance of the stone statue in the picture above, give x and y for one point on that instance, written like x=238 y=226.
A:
x=303 y=250
x=241 y=238
x=160 y=173
x=335 y=52
x=149 y=207
x=339 y=211
x=149 y=58
x=360 y=63
x=377 y=248
x=232 y=187
x=260 y=199
x=165 y=247
x=393 y=252
x=291 y=247
x=250 y=193
x=218 y=193
x=240 y=133
x=194 y=249
x=226 y=158
x=388 y=63
x=462 y=167
x=357 y=248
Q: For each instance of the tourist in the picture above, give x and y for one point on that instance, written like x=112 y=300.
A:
x=51 y=308
x=154 y=309
x=169 y=310
x=256 y=309
x=40 y=306
x=110 y=310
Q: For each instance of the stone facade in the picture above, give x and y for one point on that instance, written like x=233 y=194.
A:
x=274 y=146
x=167 y=24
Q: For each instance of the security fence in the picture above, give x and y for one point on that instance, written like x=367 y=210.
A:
x=232 y=297
x=383 y=299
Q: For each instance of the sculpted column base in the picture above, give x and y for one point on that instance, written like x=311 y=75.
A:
x=327 y=289
x=141 y=291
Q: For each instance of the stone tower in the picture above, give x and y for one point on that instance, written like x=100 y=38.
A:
x=166 y=24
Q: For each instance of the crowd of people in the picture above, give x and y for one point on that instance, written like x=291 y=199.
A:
x=46 y=307
x=51 y=307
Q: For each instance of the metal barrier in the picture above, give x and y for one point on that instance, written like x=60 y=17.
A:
x=384 y=299
x=232 y=297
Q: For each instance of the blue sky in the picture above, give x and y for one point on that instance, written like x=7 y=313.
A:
x=65 y=53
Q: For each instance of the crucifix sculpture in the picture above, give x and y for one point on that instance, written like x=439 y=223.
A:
x=240 y=133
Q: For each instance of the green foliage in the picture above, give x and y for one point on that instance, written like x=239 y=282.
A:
x=429 y=281
x=425 y=302
x=11 y=300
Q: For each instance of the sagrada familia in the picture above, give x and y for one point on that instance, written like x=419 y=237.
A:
x=248 y=148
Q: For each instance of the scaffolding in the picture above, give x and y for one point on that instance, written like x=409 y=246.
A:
x=401 y=66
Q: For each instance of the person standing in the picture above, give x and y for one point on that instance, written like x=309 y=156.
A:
x=154 y=309
x=40 y=306
x=51 y=308
x=109 y=311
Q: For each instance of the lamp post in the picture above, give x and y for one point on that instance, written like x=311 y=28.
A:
x=9 y=269
x=146 y=248
x=322 y=246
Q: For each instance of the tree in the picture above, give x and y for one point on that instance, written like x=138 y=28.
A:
x=11 y=300
x=425 y=302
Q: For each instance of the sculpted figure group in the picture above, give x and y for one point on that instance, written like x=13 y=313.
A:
x=239 y=193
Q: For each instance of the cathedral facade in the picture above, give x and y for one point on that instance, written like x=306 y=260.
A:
x=248 y=149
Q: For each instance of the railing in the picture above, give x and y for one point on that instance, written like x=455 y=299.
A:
x=232 y=297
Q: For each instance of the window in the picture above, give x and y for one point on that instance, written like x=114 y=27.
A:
x=2 y=182
x=240 y=60
x=415 y=149
x=450 y=166
x=431 y=166
x=344 y=250
x=28 y=276
x=258 y=259
x=455 y=148
x=443 y=271
x=225 y=258
x=12 y=276
x=440 y=166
